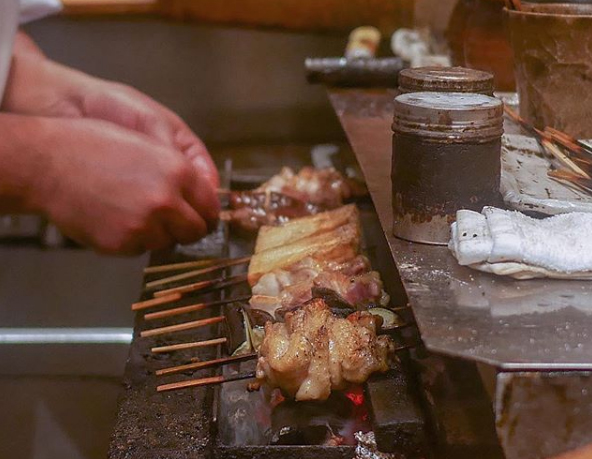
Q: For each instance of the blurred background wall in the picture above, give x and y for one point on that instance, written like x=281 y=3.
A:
x=231 y=85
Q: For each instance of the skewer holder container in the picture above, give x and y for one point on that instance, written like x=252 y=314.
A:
x=446 y=157
x=551 y=44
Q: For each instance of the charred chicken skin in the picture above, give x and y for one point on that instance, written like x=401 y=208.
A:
x=323 y=187
x=250 y=210
x=289 y=288
x=314 y=352
x=290 y=195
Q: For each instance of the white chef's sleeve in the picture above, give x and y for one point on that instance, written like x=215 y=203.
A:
x=32 y=10
x=9 y=16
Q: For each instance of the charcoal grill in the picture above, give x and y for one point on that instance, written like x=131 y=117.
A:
x=407 y=408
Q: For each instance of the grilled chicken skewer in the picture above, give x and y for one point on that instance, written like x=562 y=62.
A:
x=290 y=195
x=318 y=347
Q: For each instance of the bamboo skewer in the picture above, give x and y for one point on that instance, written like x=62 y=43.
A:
x=399 y=326
x=573 y=145
x=192 y=345
x=214 y=284
x=547 y=138
x=197 y=273
x=205 y=381
x=223 y=379
x=156 y=301
x=192 y=308
x=176 y=311
x=563 y=159
x=518 y=119
x=178 y=266
x=571 y=179
x=207 y=364
x=184 y=326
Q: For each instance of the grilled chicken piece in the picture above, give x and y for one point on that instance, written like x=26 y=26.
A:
x=314 y=352
x=286 y=289
x=359 y=290
x=323 y=187
x=250 y=210
x=288 y=196
x=273 y=282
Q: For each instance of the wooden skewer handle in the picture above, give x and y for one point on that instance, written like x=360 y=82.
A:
x=207 y=364
x=156 y=301
x=193 y=345
x=191 y=383
x=203 y=285
x=205 y=381
x=176 y=311
x=197 y=273
x=178 y=266
x=180 y=327
x=192 y=308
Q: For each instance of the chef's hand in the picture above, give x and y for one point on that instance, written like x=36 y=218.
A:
x=108 y=187
x=39 y=86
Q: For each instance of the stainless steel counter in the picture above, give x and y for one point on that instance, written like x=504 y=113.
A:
x=513 y=325
x=536 y=334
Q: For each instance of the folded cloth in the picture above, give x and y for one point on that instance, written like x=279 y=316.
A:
x=510 y=243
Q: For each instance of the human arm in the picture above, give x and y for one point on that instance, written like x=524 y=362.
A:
x=24 y=44
x=42 y=87
x=124 y=194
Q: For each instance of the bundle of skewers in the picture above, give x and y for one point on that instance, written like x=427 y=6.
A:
x=571 y=158
x=317 y=319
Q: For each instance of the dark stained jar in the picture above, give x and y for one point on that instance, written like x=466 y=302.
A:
x=445 y=79
x=446 y=157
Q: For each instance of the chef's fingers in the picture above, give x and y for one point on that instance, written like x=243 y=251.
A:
x=185 y=224
x=158 y=237
x=195 y=150
x=203 y=197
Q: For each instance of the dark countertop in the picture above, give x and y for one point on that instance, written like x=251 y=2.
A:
x=174 y=424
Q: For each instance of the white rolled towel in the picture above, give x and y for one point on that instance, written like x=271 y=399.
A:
x=511 y=243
